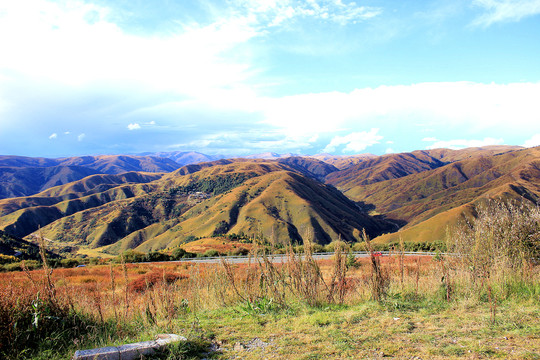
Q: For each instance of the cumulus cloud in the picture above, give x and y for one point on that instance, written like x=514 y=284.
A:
x=533 y=141
x=462 y=143
x=354 y=142
x=134 y=126
x=505 y=10
x=53 y=136
x=81 y=137
x=389 y=151
x=430 y=139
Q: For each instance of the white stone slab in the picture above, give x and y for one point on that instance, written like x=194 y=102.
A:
x=106 y=353
x=128 y=351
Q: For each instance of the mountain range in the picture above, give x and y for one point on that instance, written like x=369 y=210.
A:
x=152 y=203
x=23 y=176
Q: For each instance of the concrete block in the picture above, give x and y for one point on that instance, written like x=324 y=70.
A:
x=134 y=351
x=106 y=353
x=128 y=351
x=164 y=339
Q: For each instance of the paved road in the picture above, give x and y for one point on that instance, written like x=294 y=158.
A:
x=283 y=258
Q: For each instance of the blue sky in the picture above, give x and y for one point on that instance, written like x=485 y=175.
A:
x=240 y=77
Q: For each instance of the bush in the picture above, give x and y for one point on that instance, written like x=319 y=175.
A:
x=69 y=263
x=157 y=256
x=239 y=252
x=132 y=256
x=180 y=253
x=498 y=236
x=211 y=253
x=7 y=259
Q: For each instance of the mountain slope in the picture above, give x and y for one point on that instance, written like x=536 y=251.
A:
x=343 y=161
x=382 y=168
x=23 y=176
x=23 y=181
x=183 y=157
x=24 y=215
x=18 y=248
x=428 y=202
x=261 y=198
x=278 y=206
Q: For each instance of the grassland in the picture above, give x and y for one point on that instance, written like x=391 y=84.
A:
x=298 y=310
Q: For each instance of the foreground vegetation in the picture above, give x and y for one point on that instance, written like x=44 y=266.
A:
x=483 y=302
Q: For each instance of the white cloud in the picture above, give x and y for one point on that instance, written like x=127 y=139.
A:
x=53 y=136
x=430 y=139
x=390 y=142
x=61 y=35
x=505 y=10
x=533 y=141
x=277 y=12
x=355 y=142
x=389 y=151
x=67 y=132
x=462 y=143
x=205 y=69
x=445 y=106
x=81 y=137
x=134 y=126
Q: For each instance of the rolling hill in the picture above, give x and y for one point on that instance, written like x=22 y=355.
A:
x=23 y=176
x=277 y=200
x=343 y=161
x=285 y=198
x=429 y=201
x=184 y=157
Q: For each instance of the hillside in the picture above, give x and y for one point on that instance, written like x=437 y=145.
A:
x=382 y=168
x=183 y=157
x=277 y=206
x=24 y=215
x=448 y=155
x=366 y=169
x=14 y=248
x=274 y=200
x=343 y=161
x=277 y=200
x=23 y=176
x=24 y=181
x=313 y=168
x=430 y=201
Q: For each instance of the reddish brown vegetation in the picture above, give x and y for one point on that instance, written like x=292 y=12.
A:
x=147 y=281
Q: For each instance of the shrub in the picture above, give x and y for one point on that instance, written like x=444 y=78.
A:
x=211 y=253
x=157 y=256
x=70 y=262
x=180 y=253
x=498 y=236
x=6 y=259
x=132 y=256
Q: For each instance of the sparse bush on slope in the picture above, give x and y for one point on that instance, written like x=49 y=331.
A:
x=500 y=236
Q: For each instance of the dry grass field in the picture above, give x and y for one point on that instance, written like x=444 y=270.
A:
x=302 y=309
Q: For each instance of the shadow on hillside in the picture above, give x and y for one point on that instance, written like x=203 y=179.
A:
x=368 y=208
